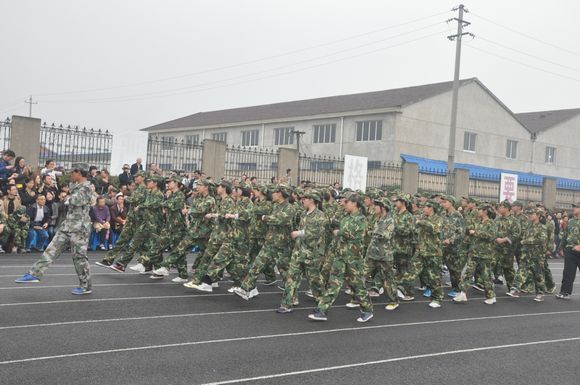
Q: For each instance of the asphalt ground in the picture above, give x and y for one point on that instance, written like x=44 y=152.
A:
x=133 y=330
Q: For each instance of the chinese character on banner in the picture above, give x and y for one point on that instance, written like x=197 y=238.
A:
x=355 y=172
x=508 y=187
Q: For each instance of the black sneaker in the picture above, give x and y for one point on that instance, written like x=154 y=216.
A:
x=563 y=296
x=318 y=315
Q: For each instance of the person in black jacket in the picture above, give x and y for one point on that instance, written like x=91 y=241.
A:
x=125 y=177
x=39 y=215
x=137 y=166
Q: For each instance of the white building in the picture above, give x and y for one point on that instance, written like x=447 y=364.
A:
x=383 y=125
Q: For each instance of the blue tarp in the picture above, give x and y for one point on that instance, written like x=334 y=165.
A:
x=439 y=167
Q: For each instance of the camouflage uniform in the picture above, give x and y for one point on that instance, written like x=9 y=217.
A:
x=258 y=229
x=403 y=249
x=73 y=231
x=306 y=255
x=506 y=227
x=453 y=230
x=174 y=232
x=482 y=253
x=134 y=220
x=244 y=209
x=532 y=258
x=348 y=263
x=550 y=228
x=151 y=230
x=379 y=256
x=570 y=239
x=16 y=228
x=277 y=246
x=334 y=218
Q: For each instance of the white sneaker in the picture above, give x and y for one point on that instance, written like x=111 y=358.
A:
x=202 y=287
x=352 y=305
x=434 y=305
x=392 y=306
x=400 y=294
x=241 y=293
x=161 y=271
x=215 y=285
x=179 y=280
x=374 y=294
x=382 y=291
x=232 y=289
x=138 y=267
x=309 y=294
x=348 y=291
x=461 y=297
x=490 y=301
x=296 y=302
x=253 y=293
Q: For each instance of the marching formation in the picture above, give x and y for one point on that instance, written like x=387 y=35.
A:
x=378 y=243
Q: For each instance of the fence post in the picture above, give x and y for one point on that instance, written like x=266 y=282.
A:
x=549 y=193
x=461 y=183
x=214 y=158
x=25 y=139
x=288 y=159
x=410 y=179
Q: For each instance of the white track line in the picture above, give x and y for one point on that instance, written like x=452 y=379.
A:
x=396 y=359
x=98 y=285
x=281 y=335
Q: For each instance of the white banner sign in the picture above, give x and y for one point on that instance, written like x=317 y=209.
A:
x=355 y=172
x=508 y=188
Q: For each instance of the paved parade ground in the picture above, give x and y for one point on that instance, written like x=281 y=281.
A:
x=133 y=330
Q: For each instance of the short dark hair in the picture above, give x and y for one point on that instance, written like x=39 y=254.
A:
x=48 y=161
x=9 y=153
x=81 y=171
x=91 y=168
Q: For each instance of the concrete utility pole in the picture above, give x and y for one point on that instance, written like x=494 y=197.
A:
x=30 y=103
x=453 y=126
x=298 y=135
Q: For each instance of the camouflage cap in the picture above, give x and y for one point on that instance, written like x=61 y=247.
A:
x=533 y=210
x=205 y=182
x=373 y=194
x=175 y=179
x=155 y=178
x=141 y=174
x=21 y=210
x=385 y=202
x=281 y=188
x=506 y=204
x=299 y=192
x=436 y=206
x=312 y=195
x=450 y=198
x=518 y=203
x=405 y=198
x=261 y=188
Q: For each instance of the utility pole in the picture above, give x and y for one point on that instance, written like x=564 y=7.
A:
x=30 y=103
x=298 y=135
x=453 y=126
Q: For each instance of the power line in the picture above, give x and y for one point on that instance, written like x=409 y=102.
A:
x=523 y=64
x=288 y=53
x=528 y=36
x=191 y=89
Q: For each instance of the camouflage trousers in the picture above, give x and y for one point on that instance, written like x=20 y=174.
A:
x=531 y=266
x=173 y=240
x=268 y=270
x=270 y=253
x=352 y=270
x=327 y=262
x=503 y=264
x=455 y=263
x=384 y=276
x=430 y=268
x=138 y=245
x=404 y=268
x=78 y=245
x=18 y=236
x=201 y=244
x=123 y=242
x=222 y=256
x=483 y=267
x=300 y=265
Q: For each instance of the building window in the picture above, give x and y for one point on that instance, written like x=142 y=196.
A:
x=166 y=166
x=550 y=154
x=192 y=140
x=283 y=136
x=469 y=139
x=369 y=130
x=247 y=166
x=167 y=142
x=322 y=165
x=324 y=133
x=372 y=164
x=250 y=138
x=220 y=136
x=511 y=150
x=189 y=167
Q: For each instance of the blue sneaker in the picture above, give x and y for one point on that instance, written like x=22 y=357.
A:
x=81 y=291
x=452 y=294
x=427 y=293
x=27 y=278
x=365 y=316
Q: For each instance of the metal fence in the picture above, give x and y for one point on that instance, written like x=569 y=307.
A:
x=484 y=190
x=173 y=154
x=75 y=147
x=261 y=163
x=5 y=130
x=434 y=183
x=529 y=193
x=566 y=198
x=385 y=175
x=322 y=170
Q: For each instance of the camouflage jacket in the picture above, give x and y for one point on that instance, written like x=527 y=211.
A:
x=404 y=231
x=224 y=228
x=381 y=245
x=244 y=208
x=453 y=229
x=550 y=228
x=280 y=223
x=372 y=218
x=136 y=198
x=173 y=215
x=350 y=235
x=534 y=241
x=258 y=228
x=429 y=243
x=199 y=226
x=571 y=236
x=483 y=241
x=524 y=223
x=79 y=203
x=14 y=221
x=152 y=211
x=507 y=227
x=312 y=240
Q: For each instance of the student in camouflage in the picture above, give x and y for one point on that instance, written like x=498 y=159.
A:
x=453 y=230
x=134 y=220
x=483 y=236
x=508 y=232
x=348 y=263
x=379 y=255
x=73 y=232
x=307 y=252
x=532 y=258
x=258 y=229
x=242 y=217
x=277 y=245
x=405 y=231
x=16 y=227
x=334 y=217
x=570 y=249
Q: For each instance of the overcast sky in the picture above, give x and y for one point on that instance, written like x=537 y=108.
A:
x=123 y=65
